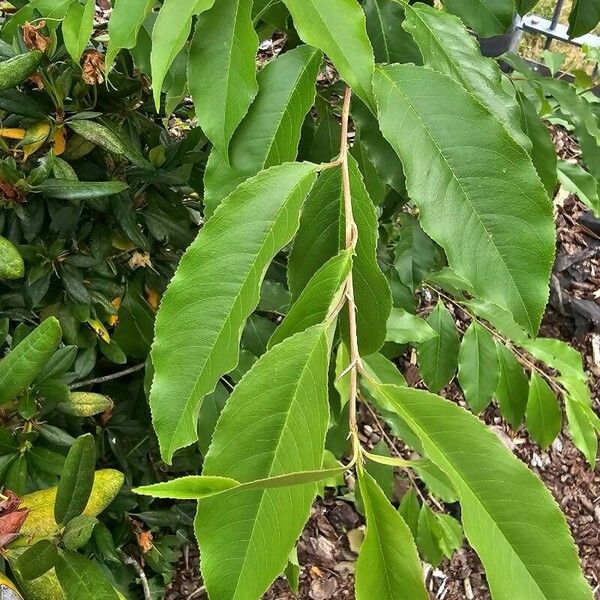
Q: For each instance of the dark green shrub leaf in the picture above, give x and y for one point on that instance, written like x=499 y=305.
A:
x=63 y=189
x=11 y=261
x=584 y=16
x=16 y=70
x=485 y=17
x=80 y=578
x=77 y=480
x=20 y=368
x=78 y=531
x=37 y=560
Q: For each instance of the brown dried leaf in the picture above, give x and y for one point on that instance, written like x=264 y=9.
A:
x=33 y=37
x=92 y=65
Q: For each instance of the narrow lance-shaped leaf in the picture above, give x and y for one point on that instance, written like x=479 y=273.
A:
x=384 y=25
x=438 y=357
x=486 y=200
x=581 y=183
x=509 y=517
x=513 y=387
x=388 y=564
x=542 y=152
x=202 y=314
x=222 y=69
x=321 y=236
x=125 y=22
x=448 y=47
x=284 y=396
x=23 y=364
x=544 y=419
x=478 y=367
x=270 y=133
x=584 y=16
x=169 y=35
x=318 y=298
x=485 y=17
x=338 y=28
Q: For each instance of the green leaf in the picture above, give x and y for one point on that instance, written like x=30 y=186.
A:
x=384 y=26
x=77 y=480
x=382 y=370
x=270 y=133
x=452 y=535
x=509 y=517
x=11 y=261
x=63 y=189
x=125 y=22
x=320 y=296
x=85 y=404
x=584 y=16
x=557 y=355
x=513 y=388
x=438 y=357
x=338 y=28
x=478 y=367
x=23 y=364
x=544 y=419
x=542 y=152
x=402 y=327
x=222 y=70
x=202 y=314
x=429 y=536
x=582 y=430
x=289 y=420
x=436 y=481
x=16 y=70
x=448 y=47
x=192 y=487
x=37 y=560
x=169 y=35
x=486 y=17
x=483 y=179
x=78 y=531
x=324 y=211
x=409 y=510
x=581 y=183
x=111 y=138
x=80 y=578
x=554 y=61
x=388 y=565
x=77 y=27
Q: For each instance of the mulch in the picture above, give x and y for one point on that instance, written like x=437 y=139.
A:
x=326 y=548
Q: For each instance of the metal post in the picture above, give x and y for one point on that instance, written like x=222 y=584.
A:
x=554 y=23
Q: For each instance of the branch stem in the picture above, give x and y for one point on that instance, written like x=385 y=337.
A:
x=110 y=377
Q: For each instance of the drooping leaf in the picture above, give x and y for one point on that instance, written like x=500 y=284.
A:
x=513 y=387
x=509 y=517
x=324 y=212
x=485 y=17
x=270 y=132
x=391 y=44
x=438 y=357
x=429 y=535
x=338 y=28
x=169 y=35
x=125 y=22
x=409 y=510
x=22 y=365
x=318 y=298
x=584 y=16
x=478 y=367
x=388 y=565
x=77 y=27
x=222 y=69
x=510 y=227
x=201 y=313
x=542 y=152
x=447 y=47
x=544 y=418
x=581 y=183
x=402 y=327
x=284 y=396
x=582 y=430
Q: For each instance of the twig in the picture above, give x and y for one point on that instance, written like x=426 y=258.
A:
x=129 y=560
x=110 y=377
x=351 y=234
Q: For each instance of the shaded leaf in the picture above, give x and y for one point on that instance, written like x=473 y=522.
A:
x=544 y=418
